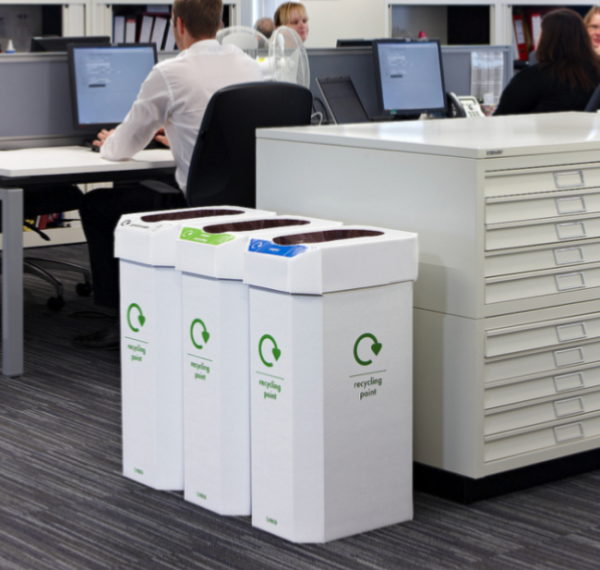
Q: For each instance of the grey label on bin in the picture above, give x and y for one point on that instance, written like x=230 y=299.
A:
x=569 y=356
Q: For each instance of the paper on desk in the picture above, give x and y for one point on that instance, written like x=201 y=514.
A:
x=487 y=70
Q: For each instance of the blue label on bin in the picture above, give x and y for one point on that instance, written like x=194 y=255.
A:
x=270 y=248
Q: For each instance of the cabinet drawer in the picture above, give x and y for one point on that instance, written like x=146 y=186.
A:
x=532 y=181
x=541 y=207
x=559 y=384
x=527 y=416
x=542 y=258
x=547 y=361
x=540 y=335
x=544 y=438
x=542 y=233
x=499 y=289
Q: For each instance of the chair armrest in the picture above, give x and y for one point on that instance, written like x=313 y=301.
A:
x=159 y=187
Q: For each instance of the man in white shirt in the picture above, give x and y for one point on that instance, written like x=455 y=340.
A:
x=174 y=95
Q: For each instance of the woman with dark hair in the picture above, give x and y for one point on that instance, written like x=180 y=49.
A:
x=567 y=72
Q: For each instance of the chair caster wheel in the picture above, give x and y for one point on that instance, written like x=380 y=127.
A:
x=84 y=289
x=55 y=303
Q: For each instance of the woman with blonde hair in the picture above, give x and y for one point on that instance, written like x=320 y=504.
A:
x=592 y=23
x=293 y=15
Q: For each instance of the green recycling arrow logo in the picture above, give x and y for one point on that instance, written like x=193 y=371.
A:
x=375 y=347
x=276 y=352
x=205 y=333
x=141 y=319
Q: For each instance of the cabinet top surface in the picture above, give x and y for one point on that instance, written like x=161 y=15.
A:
x=485 y=137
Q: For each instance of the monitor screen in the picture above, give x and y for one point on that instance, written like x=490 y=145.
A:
x=105 y=81
x=60 y=44
x=409 y=77
x=342 y=100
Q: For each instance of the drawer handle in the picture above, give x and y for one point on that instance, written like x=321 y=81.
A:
x=571 y=230
x=571 y=179
x=568 y=382
x=569 y=356
x=569 y=281
x=570 y=407
x=573 y=205
x=569 y=432
x=569 y=255
x=567 y=333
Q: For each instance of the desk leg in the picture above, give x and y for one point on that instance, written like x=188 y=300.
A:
x=12 y=281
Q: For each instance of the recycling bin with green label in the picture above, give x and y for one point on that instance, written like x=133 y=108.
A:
x=331 y=381
x=151 y=369
x=216 y=358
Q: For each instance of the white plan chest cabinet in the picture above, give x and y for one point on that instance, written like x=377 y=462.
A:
x=507 y=302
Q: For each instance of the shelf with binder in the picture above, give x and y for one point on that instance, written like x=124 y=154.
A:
x=105 y=14
x=522 y=22
x=21 y=21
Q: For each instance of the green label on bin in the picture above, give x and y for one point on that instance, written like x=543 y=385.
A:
x=198 y=236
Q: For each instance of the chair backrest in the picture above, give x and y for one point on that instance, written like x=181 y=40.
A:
x=223 y=165
x=594 y=102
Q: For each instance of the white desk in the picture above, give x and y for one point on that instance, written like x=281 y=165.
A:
x=507 y=303
x=46 y=166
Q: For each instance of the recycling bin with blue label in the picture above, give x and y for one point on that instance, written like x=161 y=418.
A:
x=151 y=369
x=331 y=381
x=216 y=358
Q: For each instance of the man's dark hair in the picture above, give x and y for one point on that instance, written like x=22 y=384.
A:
x=202 y=18
x=565 y=46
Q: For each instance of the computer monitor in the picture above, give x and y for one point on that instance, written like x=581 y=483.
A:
x=409 y=77
x=60 y=44
x=105 y=81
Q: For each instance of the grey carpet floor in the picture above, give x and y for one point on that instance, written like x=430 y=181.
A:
x=64 y=504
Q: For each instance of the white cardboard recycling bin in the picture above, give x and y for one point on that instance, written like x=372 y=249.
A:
x=151 y=385
x=216 y=378
x=331 y=381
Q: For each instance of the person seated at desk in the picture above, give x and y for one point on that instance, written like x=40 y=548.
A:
x=592 y=23
x=265 y=26
x=175 y=94
x=566 y=75
x=293 y=15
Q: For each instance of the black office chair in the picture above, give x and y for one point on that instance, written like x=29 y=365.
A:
x=594 y=102
x=223 y=165
x=40 y=201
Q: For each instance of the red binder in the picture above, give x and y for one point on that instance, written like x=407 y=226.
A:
x=519 y=28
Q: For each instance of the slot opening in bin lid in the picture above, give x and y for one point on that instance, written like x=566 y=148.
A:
x=254 y=225
x=190 y=215
x=325 y=236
